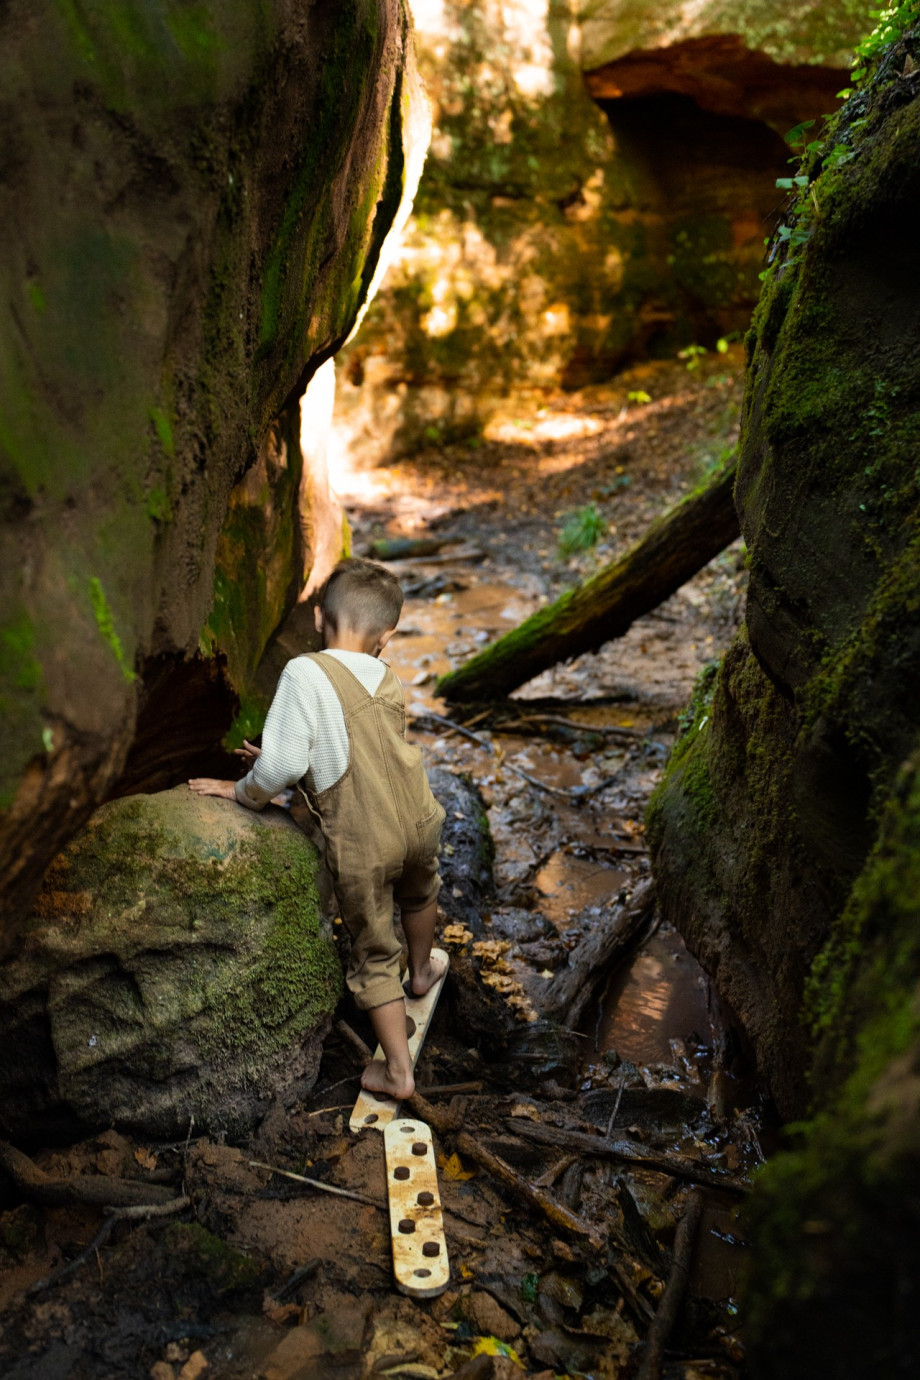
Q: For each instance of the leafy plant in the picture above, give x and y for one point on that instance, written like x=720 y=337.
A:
x=692 y=355
x=638 y=396
x=582 y=529
x=813 y=157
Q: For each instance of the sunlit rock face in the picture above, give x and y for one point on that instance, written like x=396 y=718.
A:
x=193 y=205
x=600 y=182
x=786 y=835
x=175 y=966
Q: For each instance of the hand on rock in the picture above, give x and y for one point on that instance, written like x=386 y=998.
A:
x=206 y=785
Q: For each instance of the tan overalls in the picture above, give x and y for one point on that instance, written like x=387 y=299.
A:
x=382 y=827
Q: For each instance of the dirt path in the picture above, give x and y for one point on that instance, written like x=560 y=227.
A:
x=264 y=1277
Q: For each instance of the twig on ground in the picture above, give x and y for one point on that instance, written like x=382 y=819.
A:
x=631 y=735
x=354 y=1039
x=317 y=1183
x=113 y=1217
x=669 y=1305
x=555 y=1213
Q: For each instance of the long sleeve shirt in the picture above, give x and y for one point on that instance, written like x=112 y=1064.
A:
x=305 y=733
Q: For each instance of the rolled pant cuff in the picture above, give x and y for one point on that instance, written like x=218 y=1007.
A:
x=376 y=993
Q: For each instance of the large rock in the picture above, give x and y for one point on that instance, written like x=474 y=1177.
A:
x=785 y=837
x=193 y=202
x=175 y=965
x=556 y=236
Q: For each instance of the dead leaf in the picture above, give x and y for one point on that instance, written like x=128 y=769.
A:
x=145 y=1158
x=280 y=1312
x=452 y=1168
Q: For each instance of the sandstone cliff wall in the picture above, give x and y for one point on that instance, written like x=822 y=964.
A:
x=600 y=182
x=785 y=834
x=193 y=206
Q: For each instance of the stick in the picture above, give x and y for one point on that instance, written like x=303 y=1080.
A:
x=629 y=1153
x=442 y=1122
x=574 y=796
x=113 y=1217
x=95 y=1190
x=317 y=1183
x=554 y=1212
x=600 y=730
x=666 y=1315
x=354 y=1039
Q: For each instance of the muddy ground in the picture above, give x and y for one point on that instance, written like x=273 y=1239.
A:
x=263 y=1276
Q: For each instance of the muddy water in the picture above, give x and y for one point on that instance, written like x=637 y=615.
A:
x=661 y=997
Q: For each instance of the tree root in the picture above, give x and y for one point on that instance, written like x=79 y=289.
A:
x=93 y=1190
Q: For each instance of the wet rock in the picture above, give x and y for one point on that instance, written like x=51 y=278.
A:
x=466 y=849
x=332 y=1340
x=540 y=1051
x=174 y=966
x=522 y=926
x=488 y=1317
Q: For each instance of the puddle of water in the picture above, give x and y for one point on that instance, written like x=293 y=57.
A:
x=568 y=884
x=661 y=996
x=454 y=625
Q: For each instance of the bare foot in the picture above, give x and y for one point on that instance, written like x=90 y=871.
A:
x=421 y=982
x=378 y=1078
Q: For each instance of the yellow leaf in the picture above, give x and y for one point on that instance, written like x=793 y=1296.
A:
x=453 y=1168
x=491 y=1346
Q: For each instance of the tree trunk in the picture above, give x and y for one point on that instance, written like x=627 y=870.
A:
x=674 y=548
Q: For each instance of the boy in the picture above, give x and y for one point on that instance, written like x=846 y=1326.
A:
x=338 y=719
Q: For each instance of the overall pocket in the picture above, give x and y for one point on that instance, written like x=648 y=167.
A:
x=429 y=831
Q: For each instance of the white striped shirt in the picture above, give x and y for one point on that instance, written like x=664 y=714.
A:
x=305 y=733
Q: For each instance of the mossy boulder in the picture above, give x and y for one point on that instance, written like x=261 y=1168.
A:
x=194 y=201
x=175 y=965
x=786 y=834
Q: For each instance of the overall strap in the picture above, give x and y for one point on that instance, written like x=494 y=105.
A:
x=352 y=694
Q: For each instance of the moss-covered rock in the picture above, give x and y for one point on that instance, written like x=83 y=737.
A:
x=175 y=965
x=786 y=835
x=194 y=201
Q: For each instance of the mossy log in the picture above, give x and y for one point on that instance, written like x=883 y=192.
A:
x=674 y=548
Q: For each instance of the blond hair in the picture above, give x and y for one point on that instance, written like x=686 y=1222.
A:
x=362 y=596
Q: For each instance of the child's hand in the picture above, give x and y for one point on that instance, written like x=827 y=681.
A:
x=249 y=752
x=206 y=785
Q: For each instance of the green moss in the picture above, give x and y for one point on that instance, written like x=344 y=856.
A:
x=220 y=1266
x=248 y=722
x=106 y=625
x=21 y=692
x=258 y=885
x=164 y=430
x=827 y=1212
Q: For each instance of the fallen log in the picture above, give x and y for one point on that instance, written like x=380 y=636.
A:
x=674 y=548
x=568 y=992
